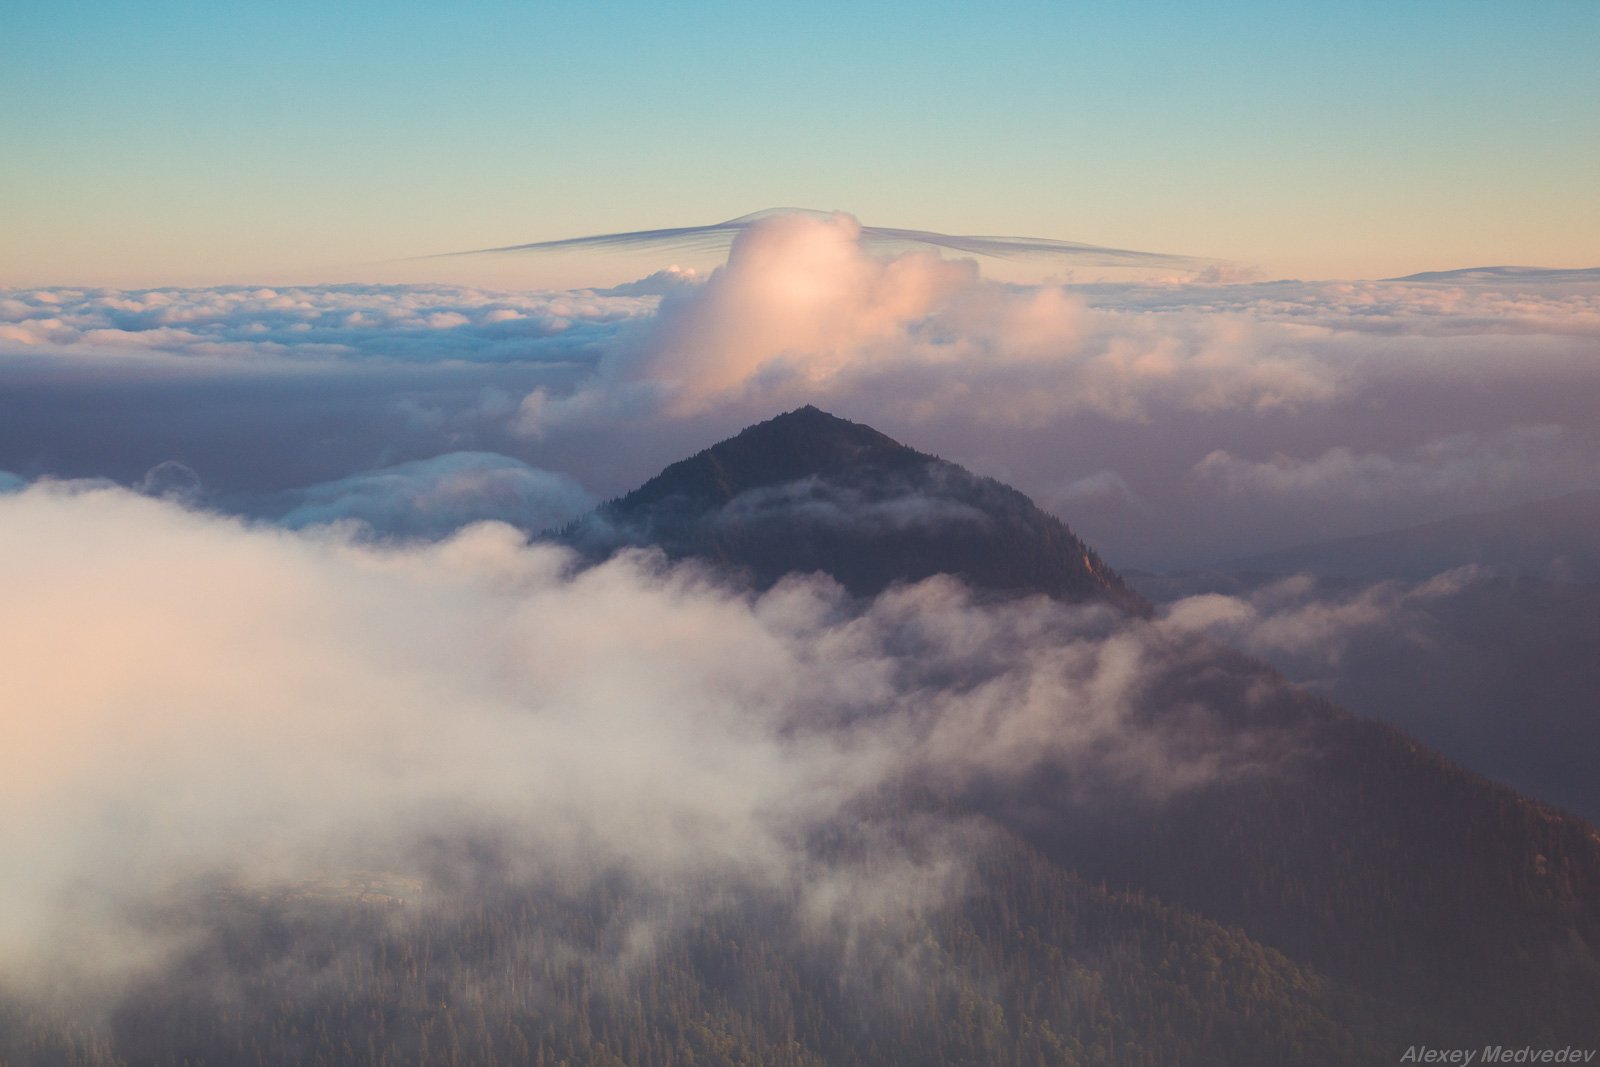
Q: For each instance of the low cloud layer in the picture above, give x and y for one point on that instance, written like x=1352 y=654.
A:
x=1304 y=627
x=434 y=497
x=431 y=324
x=196 y=698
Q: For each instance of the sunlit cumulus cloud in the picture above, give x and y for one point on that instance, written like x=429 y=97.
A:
x=797 y=300
x=803 y=309
x=200 y=698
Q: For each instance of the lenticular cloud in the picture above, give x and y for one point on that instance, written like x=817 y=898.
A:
x=719 y=237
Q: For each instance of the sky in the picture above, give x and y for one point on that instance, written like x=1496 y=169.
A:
x=183 y=143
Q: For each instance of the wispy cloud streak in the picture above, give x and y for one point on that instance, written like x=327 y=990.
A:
x=718 y=237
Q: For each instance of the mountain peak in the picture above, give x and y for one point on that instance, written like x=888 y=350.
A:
x=810 y=427
x=808 y=491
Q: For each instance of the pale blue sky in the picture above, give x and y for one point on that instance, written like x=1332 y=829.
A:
x=167 y=142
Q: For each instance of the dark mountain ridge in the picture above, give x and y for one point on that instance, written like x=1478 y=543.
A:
x=807 y=491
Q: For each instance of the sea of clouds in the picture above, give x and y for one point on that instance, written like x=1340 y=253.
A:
x=271 y=610
x=1169 y=422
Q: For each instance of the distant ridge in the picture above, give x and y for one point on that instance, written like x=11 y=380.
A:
x=1556 y=539
x=1505 y=274
x=808 y=491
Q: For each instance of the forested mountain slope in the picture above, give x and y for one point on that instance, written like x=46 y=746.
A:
x=1233 y=872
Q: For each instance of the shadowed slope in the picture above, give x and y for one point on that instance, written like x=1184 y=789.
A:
x=1463 y=909
x=807 y=491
